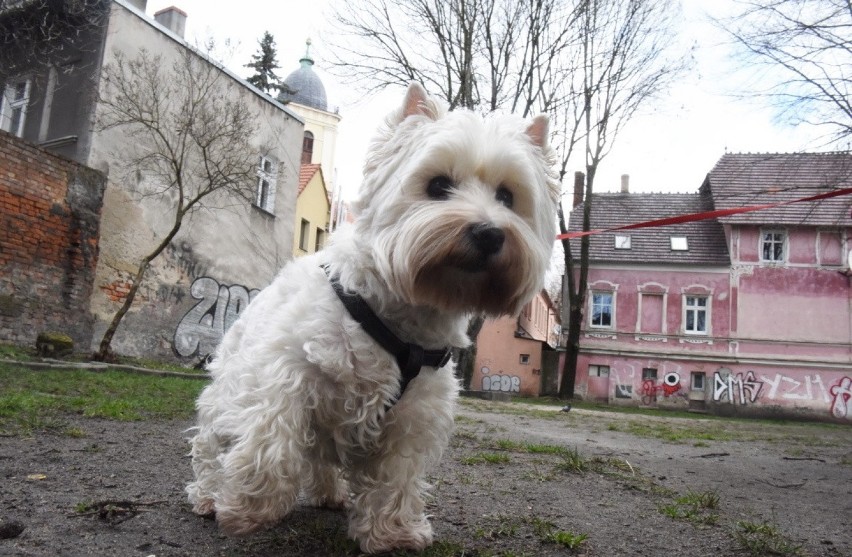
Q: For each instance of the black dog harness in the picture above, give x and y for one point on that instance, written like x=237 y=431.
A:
x=409 y=356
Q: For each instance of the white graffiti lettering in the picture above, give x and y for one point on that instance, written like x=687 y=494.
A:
x=504 y=383
x=203 y=326
x=736 y=388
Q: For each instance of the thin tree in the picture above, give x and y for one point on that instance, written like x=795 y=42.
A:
x=192 y=142
x=622 y=62
x=264 y=64
x=36 y=31
x=805 y=46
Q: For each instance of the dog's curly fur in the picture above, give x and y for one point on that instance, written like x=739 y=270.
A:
x=301 y=398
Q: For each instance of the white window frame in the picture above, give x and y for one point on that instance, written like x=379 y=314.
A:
x=593 y=305
x=695 y=309
x=304 y=235
x=679 y=243
x=622 y=241
x=524 y=359
x=10 y=104
x=267 y=178
x=783 y=241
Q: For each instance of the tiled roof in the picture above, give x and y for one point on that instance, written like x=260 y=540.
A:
x=740 y=180
x=705 y=239
x=306 y=172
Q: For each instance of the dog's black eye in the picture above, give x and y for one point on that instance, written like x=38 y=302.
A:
x=439 y=187
x=505 y=197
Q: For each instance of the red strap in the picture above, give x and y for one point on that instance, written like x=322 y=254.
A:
x=703 y=216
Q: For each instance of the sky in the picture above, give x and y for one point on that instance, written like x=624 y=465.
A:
x=669 y=147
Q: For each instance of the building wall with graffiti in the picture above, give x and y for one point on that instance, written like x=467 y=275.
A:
x=223 y=253
x=717 y=386
x=506 y=362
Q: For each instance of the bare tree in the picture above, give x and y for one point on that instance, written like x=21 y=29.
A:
x=192 y=141
x=621 y=63
x=806 y=48
x=478 y=54
x=37 y=31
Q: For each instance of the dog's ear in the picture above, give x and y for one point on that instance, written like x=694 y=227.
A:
x=539 y=130
x=417 y=102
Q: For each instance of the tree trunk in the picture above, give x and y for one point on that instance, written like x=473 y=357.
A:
x=104 y=352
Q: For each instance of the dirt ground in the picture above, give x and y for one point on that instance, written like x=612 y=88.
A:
x=116 y=488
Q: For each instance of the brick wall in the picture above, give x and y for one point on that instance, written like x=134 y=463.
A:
x=50 y=211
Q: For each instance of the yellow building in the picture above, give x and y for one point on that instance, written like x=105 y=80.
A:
x=312 y=211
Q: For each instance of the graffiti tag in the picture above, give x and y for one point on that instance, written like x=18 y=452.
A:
x=841 y=406
x=736 y=388
x=203 y=326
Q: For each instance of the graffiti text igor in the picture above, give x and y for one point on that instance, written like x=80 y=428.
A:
x=202 y=327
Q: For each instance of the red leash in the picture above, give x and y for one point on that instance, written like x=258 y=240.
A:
x=703 y=216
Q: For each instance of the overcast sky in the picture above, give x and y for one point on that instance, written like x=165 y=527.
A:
x=669 y=148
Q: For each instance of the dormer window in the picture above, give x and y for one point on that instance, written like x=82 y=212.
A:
x=679 y=243
x=622 y=241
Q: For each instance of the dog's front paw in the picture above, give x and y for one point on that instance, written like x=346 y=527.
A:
x=237 y=525
x=383 y=537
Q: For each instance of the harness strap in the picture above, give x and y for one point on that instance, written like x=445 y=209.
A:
x=409 y=357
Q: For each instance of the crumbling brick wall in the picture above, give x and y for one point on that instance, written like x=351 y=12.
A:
x=50 y=210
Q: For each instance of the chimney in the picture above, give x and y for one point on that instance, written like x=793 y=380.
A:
x=579 y=185
x=625 y=183
x=173 y=19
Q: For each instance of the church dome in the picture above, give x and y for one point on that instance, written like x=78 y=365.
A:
x=304 y=86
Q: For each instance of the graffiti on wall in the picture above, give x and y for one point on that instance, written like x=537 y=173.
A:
x=782 y=387
x=201 y=329
x=735 y=389
x=502 y=383
x=841 y=405
x=669 y=387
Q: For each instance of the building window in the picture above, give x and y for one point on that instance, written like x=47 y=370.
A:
x=598 y=371
x=13 y=108
x=622 y=241
x=772 y=246
x=679 y=243
x=320 y=239
x=697 y=381
x=304 y=235
x=695 y=315
x=307 y=148
x=266 y=179
x=649 y=373
x=525 y=359
x=602 y=309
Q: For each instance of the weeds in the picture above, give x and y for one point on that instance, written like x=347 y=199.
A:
x=485 y=458
x=763 y=538
x=549 y=534
x=694 y=507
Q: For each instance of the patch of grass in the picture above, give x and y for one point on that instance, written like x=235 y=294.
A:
x=485 y=458
x=503 y=527
x=763 y=538
x=19 y=353
x=36 y=400
x=572 y=461
x=548 y=533
x=695 y=507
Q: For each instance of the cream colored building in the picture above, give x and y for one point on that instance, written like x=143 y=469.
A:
x=312 y=207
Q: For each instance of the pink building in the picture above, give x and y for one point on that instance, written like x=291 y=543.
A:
x=516 y=355
x=750 y=313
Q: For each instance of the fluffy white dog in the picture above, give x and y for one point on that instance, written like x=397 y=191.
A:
x=455 y=217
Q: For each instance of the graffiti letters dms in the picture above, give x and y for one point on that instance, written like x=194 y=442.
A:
x=201 y=329
x=735 y=389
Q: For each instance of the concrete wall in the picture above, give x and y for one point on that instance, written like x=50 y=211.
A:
x=49 y=224
x=222 y=255
x=498 y=366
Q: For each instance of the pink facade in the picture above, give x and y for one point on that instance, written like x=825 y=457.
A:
x=767 y=332
x=512 y=352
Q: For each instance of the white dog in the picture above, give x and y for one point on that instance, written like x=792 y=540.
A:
x=455 y=217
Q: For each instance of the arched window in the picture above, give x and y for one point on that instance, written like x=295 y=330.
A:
x=307 y=148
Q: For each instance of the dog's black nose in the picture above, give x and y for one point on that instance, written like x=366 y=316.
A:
x=487 y=238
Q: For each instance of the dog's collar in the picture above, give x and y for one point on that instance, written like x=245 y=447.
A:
x=409 y=356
